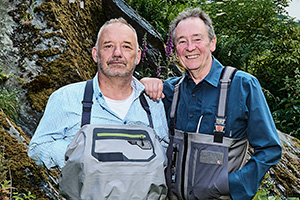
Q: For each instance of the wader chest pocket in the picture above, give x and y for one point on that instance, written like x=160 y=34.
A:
x=122 y=145
x=211 y=157
x=208 y=175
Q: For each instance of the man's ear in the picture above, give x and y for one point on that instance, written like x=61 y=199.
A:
x=176 y=52
x=95 y=54
x=138 y=57
x=213 y=44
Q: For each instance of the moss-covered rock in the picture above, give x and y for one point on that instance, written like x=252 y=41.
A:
x=67 y=62
x=24 y=175
x=54 y=39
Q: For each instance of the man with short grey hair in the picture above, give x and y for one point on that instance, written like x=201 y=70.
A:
x=116 y=101
x=207 y=149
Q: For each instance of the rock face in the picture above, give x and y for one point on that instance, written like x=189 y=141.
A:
x=24 y=175
x=45 y=44
x=48 y=45
x=286 y=175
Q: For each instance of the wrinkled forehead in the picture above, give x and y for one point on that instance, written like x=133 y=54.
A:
x=118 y=32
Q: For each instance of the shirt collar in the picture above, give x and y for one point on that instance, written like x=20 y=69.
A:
x=214 y=74
x=213 y=77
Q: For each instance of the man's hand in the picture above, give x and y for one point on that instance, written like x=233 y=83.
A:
x=153 y=88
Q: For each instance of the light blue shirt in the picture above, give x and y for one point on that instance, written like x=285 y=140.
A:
x=62 y=120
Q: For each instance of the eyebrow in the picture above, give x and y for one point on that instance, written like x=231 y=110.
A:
x=194 y=35
x=126 y=42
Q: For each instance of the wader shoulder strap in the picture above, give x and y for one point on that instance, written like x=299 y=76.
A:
x=220 y=121
x=225 y=80
x=88 y=102
x=146 y=107
x=174 y=106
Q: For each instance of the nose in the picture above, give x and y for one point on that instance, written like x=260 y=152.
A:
x=117 y=51
x=190 y=46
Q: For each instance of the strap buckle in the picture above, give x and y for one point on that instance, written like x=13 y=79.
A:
x=219 y=130
x=225 y=83
x=87 y=106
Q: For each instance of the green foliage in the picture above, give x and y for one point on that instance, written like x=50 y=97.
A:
x=23 y=196
x=277 y=69
x=287 y=113
x=264 y=195
x=233 y=51
x=3 y=77
x=256 y=36
x=263 y=41
x=9 y=103
x=279 y=59
x=6 y=188
x=159 y=13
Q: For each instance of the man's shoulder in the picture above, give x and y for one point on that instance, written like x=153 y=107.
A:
x=152 y=103
x=245 y=80
x=169 y=86
x=244 y=76
x=171 y=82
x=70 y=90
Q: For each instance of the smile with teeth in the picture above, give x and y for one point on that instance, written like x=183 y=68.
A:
x=192 y=56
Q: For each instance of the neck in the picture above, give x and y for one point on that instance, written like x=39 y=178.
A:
x=200 y=73
x=116 y=88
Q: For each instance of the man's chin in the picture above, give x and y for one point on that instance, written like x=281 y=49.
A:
x=118 y=74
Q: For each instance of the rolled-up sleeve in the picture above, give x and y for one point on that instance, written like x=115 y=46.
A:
x=54 y=132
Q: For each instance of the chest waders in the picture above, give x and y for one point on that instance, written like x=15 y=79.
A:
x=113 y=161
x=198 y=164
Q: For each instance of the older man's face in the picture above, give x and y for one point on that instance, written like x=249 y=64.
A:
x=193 y=46
x=118 y=53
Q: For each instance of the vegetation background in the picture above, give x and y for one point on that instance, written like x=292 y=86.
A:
x=256 y=36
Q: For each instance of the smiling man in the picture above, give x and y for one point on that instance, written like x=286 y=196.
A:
x=194 y=46
x=207 y=150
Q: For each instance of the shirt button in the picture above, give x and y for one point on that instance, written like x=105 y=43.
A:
x=125 y=122
x=193 y=95
x=191 y=115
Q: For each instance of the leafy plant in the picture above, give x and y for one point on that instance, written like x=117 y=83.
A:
x=287 y=114
x=23 y=196
x=264 y=195
x=261 y=39
x=6 y=188
x=9 y=103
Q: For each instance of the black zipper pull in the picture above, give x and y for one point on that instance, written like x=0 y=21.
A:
x=174 y=162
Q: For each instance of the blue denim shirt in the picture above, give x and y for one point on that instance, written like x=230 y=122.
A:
x=62 y=120
x=247 y=114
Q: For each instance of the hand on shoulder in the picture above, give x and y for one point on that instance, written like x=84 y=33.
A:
x=153 y=88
